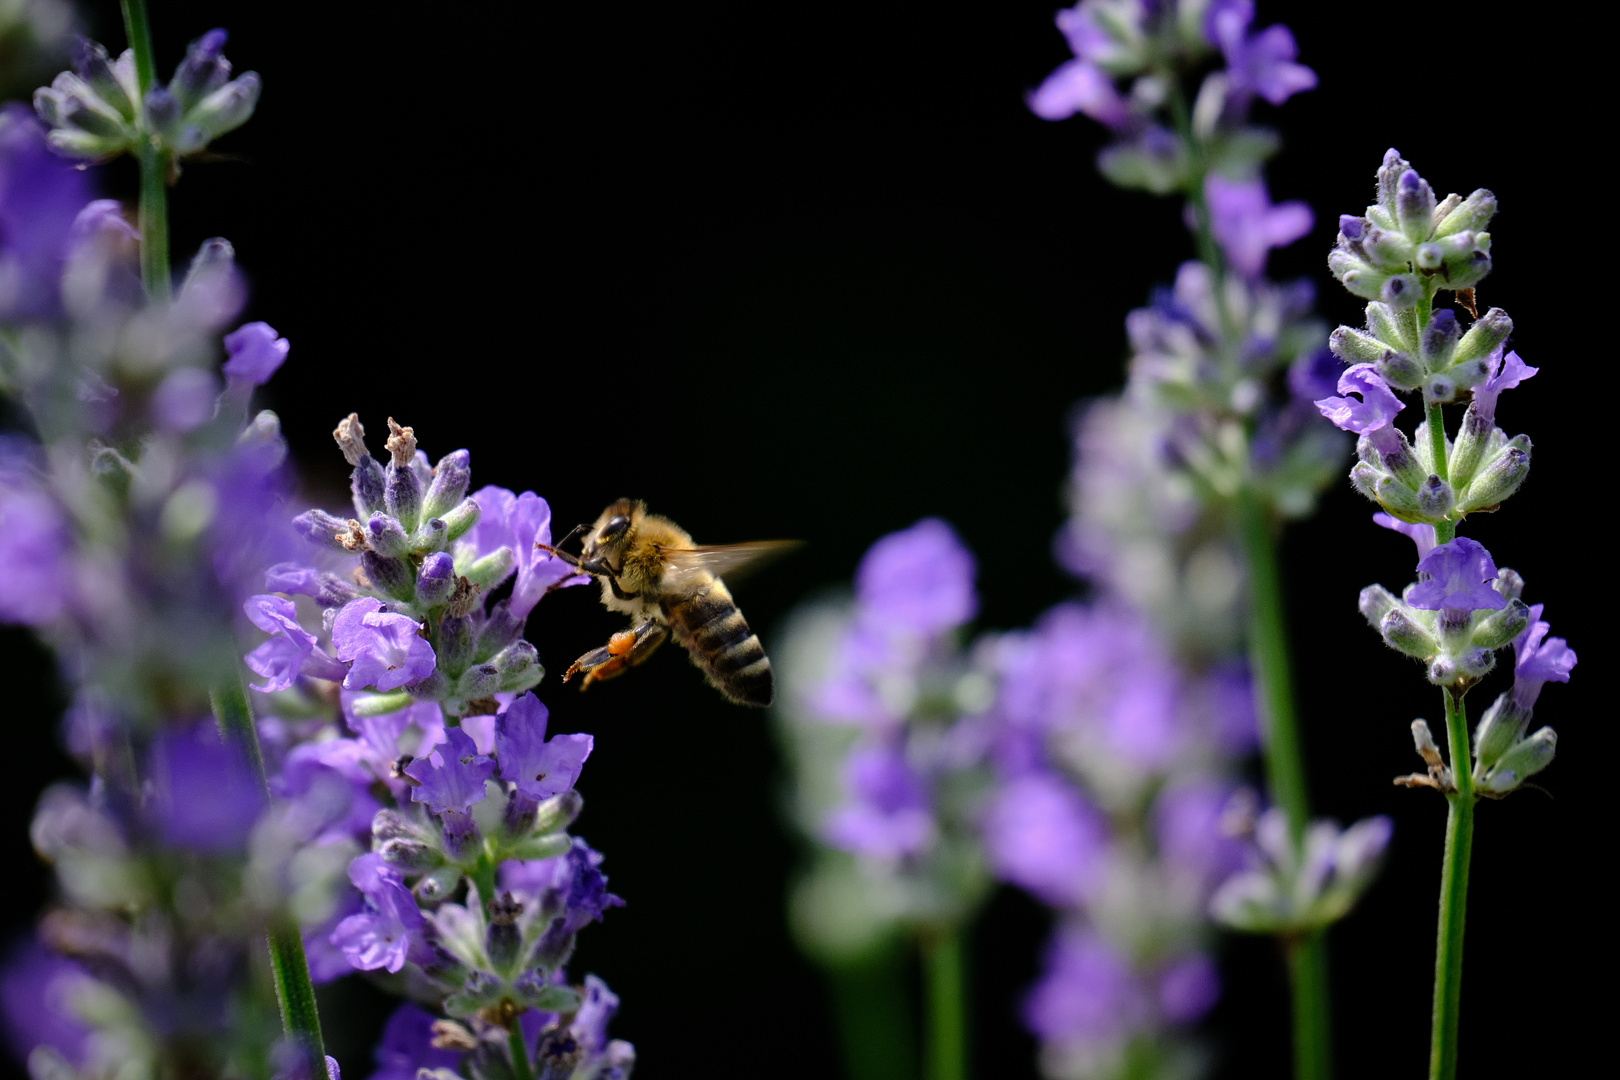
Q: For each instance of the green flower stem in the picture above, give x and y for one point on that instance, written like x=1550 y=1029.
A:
x=154 y=165
x=1444 y=531
x=943 y=963
x=294 y=992
x=520 y=1053
x=1307 y=973
x=483 y=876
x=1284 y=763
x=871 y=996
x=1453 y=897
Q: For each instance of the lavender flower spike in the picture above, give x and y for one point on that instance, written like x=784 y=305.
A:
x=384 y=648
x=290 y=652
x=539 y=768
x=452 y=777
x=1262 y=64
x=381 y=937
x=1457 y=579
x=1247 y=226
x=1373 y=415
x=1079 y=87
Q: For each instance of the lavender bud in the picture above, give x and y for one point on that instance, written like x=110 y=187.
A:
x=478 y=681
x=319 y=527
x=1352 y=228
x=1502 y=725
x=1387 y=250
x=1509 y=583
x=1474 y=663
x=1501 y=477
x=1428 y=258
x=516 y=661
x=541 y=845
x=1435 y=498
x=1389 y=178
x=1467 y=259
x=402 y=493
x=456 y=639
x=1472 y=213
x=461 y=838
x=391 y=824
x=91 y=62
x=1414 y=206
x=518 y=819
x=558 y=812
x=1355 y=347
x=492 y=569
x=1395 y=330
x=226 y=108
x=502 y=938
x=392 y=577
x=479 y=991
x=1375 y=602
x=438 y=885
x=435 y=580
x=1399 y=370
x=1405 y=634
x=449 y=486
x=1484 y=336
x=462 y=518
x=1523 y=761
x=1440 y=340
x=411 y=856
x=1439 y=389
x=501 y=628
x=385 y=536
x=1500 y=627
x=1446 y=206
x=161 y=111
x=1400 y=291
x=432 y=535
x=203 y=70
x=1365 y=479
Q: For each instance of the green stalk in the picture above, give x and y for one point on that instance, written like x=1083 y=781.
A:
x=154 y=165
x=1453 y=897
x=520 y=1053
x=1444 y=531
x=1284 y=763
x=294 y=992
x=943 y=963
x=872 y=1003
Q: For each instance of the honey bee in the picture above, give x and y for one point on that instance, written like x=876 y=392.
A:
x=651 y=571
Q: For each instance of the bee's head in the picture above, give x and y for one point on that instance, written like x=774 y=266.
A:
x=613 y=529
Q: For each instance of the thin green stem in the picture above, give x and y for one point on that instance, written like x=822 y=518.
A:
x=294 y=992
x=943 y=974
x=1444 y=531
x=1453 y=897
x=154 y=165
x=1313 y=1029
x=873 y=1006
x=520 y=1053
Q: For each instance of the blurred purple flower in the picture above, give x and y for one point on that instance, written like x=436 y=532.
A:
x=382 y=935
x=1041 y=835
x=35 y=987
x=407 y=1045
x=205 y=796
x=36 y=568
x=290 y=650
x=539 y=769
x=918 y=579
x=1079 y=86
x=1188 y=988
x=1247 y=226
x=888 y=814
x=255 y=352
x=452 y=776
x=40 y=195
x=1537 y=662
x=1187 y=824
x=1456 y=578
x=1262 y=64
x=1086 y=994
x=185 y=399
x=384 y=647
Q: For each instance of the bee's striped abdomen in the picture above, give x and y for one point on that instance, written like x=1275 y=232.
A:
x=711 y=628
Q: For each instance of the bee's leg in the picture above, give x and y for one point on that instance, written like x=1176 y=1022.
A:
x=624 y=650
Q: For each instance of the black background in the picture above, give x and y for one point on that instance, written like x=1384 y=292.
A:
x=814 y=271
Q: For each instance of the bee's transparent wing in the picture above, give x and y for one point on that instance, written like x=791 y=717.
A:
x=722 y=560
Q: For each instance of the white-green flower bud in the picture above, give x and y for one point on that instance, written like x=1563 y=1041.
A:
x=1399 y=370
x=1414 y=206
x=1401 y=290
x=1364 y=478
x=1500 y=627
x=1472 y=213
x=1405 y=634
x=1395 y=329
x=1467 y=259
x=1435 y=498
x=1375 y=602
x=1398 y=499
x=1509 y=583
x=1524 y=760
x=1355 y=347
x=1485 y=335
x=1428 y=257
x=1498 y=730
x=462 y=518
x=1501 y=477
x=1439 y=389
x=1387 y=250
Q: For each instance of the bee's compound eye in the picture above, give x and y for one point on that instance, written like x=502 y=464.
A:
x=614 y=529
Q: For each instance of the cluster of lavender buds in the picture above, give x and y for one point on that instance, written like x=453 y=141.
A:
x=102 y=108
x=870 y=715
x=1406 y=251
x=388 y=801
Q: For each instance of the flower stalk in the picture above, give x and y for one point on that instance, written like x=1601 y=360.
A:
x=153 y=162
x=1453 y=897
x=944 y=973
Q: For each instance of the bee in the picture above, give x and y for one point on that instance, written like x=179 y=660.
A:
x=651 y=571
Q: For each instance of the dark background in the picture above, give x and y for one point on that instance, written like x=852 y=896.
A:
x=814 y=271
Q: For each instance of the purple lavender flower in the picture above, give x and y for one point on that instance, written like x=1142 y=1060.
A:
x=384 y=648
x=35 y=544
x=1187 y=823
x=40 y=194
x=1456 y=578
x=34 y=989
x=291 y=649
x=1040 y=835
x=407 y=1045
x=1537 y=662
x=575 y=877
x=918 y=579
x=452 y=777
x=1087 y=993
x=888 y=816
x=383 y=935
x=597 y=1008
x=1505 y=375
x=1421 y=535
x=1373 y=415
x=1262 y=64
x=1247 y=226
x=185 y=399
x=1188 y=988
x=255 y=352
x=518 y=522
x=206 y=797
x=539 y=769
x=1079 y=86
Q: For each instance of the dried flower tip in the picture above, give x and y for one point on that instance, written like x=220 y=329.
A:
x=354 y=539
x=505 y=909
x=351 y=439
x=449 y=1035
x=463 y=599
x=1239 y=815
x=401 y=443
